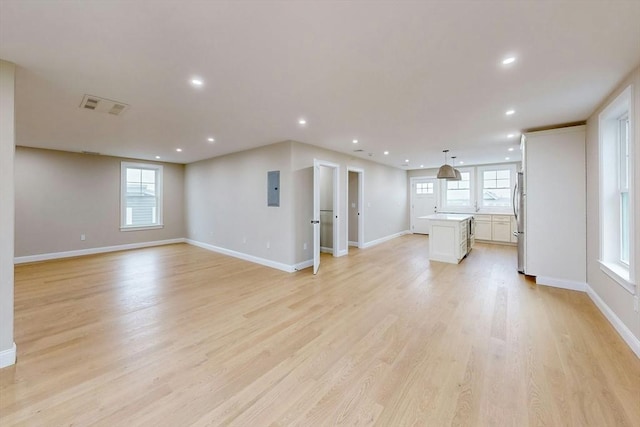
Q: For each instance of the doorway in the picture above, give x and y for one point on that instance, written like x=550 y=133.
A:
x=325 y=210
x=355 y=197
x=424 y=201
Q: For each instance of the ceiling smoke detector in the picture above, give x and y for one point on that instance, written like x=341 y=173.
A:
x=103 y=105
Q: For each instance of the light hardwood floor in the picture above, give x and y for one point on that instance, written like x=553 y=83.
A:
x=179 y=336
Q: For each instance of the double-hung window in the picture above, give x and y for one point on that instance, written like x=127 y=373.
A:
x=623 y=187
x=140 y=196
x=616 y=191
x=496 y=187
x=458 y=195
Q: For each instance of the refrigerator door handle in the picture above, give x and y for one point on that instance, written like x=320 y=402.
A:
x=513 y=201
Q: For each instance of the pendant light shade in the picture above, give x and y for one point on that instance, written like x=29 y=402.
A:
x=446 y=171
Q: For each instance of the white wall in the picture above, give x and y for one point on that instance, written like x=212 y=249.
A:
x=7 y=147
x=616 y=299
x=226 y=203
x=61 y=195
x=385 y=208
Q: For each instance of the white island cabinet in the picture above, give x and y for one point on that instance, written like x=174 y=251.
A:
x=449 y=237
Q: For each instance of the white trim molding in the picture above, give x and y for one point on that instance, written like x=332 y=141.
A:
x=622 y=329
x=92 y=251
x=384 y=239
x=8 y=357
x=302 y=265
x=561 y=283
x=251 y=258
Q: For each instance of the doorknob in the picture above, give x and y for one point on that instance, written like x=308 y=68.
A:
x=315 y=222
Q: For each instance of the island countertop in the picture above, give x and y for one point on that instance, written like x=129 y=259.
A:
x=447 y=217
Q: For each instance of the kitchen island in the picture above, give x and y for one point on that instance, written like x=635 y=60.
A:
x=450 y=237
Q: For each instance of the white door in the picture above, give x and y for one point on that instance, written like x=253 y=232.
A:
x=424 y=202
x=317 y=164
x=316 y=217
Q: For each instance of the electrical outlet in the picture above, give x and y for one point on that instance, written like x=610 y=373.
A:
x=83 y=237
x=268 y=245
x=244 y=240
x=304 y=247
x=635 y=303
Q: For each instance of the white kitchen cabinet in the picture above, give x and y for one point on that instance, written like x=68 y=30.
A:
x=555 y=212
x=494 y=228
x=449 y=239
x=500 y=231
x=483 y=227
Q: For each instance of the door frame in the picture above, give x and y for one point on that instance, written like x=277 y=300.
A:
x=316 y=210
x=412 y=183
x=360 y=173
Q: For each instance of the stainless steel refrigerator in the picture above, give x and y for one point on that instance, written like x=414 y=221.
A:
x=519 y=200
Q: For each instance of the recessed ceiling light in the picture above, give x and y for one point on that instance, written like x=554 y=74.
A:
x=355 y=141
x=210 y=139
x=461 y=162
x=509 y=60
x=179 y=150
x=406 y=161
x=157 y=157
x=511 y=135
x=510 y=112
x=302 y=121
x=510 y=148
x=197 y=82
x=421 y=166
x=506 y=158
x=386 y=153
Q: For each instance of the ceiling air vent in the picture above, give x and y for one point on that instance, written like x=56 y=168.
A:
x=103 y=105
x=358 y=151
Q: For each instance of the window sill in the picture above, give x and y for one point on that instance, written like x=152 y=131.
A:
x=619 y=274
x=138 y=228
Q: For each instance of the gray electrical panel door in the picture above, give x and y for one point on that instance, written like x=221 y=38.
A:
x=273 y=188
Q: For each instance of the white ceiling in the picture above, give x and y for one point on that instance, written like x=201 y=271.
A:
x=410 y=77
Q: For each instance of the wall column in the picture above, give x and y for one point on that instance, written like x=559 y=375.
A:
x=7 y=199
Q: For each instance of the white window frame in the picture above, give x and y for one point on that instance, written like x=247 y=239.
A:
x=123 y=194
x=610 y=191
x=480 y=185
x=423 y=188
x=456 y=208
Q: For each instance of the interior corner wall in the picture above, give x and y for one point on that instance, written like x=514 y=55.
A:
x=226 y=203
x=618 y=300
x=61 y=195
x=386 y=207
x=7 y=148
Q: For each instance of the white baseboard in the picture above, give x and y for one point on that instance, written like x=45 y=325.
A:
x=626 y=334
x=342 y=252
x=243 y=256
x=561 y=283
x=304 y=264
x=353 y=243
x=92 y=251
x=8 y=357
x=326 y=250
x=384 y=239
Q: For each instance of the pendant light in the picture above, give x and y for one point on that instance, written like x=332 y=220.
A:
x=446 y=171
x=458 y=176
